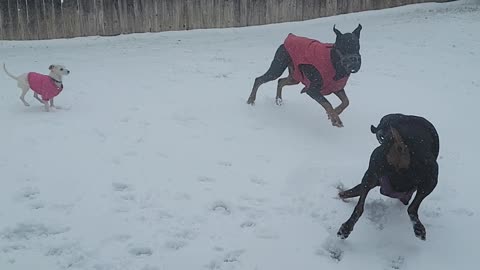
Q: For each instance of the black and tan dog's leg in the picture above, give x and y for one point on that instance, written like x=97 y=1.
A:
x=351 y=193
x=368 y=182
x=281 y=83
x=280 y=62
x=347 y=227
x=422 y=192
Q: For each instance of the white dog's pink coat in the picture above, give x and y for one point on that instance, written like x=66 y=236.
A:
x=43 y=85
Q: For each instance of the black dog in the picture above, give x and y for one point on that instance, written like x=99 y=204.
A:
x=323 y=68
x=405 y=162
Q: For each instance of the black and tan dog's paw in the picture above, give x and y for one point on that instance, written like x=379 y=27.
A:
x=279 y=101
x=420 y=231
x=251 y=101
x=344 y=231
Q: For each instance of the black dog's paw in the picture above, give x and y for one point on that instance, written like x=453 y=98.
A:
x=420 y=231
x=344 y=230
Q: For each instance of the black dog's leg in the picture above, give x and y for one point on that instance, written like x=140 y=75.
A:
x=280 y=62
x=369 y=181
x=422 y=192
x=353 y=192
x=347 y=227
x=284 y=82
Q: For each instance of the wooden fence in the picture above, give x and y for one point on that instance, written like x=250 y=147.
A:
x=48 y=19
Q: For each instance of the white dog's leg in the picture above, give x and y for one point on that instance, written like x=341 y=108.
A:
x=54 y=106
x=36 y=97
x=22 y=96
x=47 y=108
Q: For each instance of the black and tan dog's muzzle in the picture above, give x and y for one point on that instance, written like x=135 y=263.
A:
x=350 y=62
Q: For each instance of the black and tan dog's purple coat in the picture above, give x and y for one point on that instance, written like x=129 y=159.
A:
x=404 y=163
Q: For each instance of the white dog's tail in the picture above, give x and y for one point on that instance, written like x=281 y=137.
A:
x=8 y=73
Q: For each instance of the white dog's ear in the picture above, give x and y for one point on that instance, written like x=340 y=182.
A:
x=51 y=67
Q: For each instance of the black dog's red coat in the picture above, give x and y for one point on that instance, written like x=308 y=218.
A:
x=407 y=158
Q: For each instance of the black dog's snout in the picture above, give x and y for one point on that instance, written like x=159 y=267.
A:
x=351 y=62
x=354 y=59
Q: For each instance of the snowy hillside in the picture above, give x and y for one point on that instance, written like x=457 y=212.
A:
x=158 y=163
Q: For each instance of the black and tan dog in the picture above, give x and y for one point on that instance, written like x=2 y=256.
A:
x=323 y=68
x=405 y=162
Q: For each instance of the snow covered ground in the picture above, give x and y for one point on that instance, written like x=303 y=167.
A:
x=158 y=163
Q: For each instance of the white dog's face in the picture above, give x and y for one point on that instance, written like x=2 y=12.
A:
x=59 y=70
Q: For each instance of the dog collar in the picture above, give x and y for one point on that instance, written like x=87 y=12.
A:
x=57 y=81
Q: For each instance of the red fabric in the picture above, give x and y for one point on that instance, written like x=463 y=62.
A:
x=309 y=51
x=43 y=85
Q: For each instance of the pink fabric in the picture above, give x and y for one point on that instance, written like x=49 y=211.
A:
x=43 y=85
x=309 y=51
x=387 y=190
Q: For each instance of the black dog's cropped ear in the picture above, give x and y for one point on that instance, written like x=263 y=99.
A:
x=337 y=32
x=373 y=129
x=50 y=67
x=356 y=32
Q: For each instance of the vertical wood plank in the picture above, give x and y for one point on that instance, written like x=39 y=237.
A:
x=58 y=23
x=244 y=12
x=257 y=11
x=41 y=20
x=89 y=24
x=13 y=26
x=32 y=22
x=156 y=21
x=130 y=14
x=4 y=21
x=299 y=10
x=111 y=14
x=49 y=18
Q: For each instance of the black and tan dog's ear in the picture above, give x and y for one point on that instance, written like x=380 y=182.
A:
x=398 y=155
x=337 y=32
x=395 y=135
x=398 y=141
x=373 y=129
x=51 y=67
x=356 y=32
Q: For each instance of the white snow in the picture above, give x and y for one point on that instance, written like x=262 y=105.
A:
x=159 y=163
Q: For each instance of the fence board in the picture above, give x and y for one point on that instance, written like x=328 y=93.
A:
x=41 y=19
x=256 y=12
x=4 y=20
x=13 y=13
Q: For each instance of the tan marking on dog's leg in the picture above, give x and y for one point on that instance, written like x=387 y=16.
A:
x=281 y=83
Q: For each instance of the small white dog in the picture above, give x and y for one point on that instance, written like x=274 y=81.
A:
x=47 y=86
